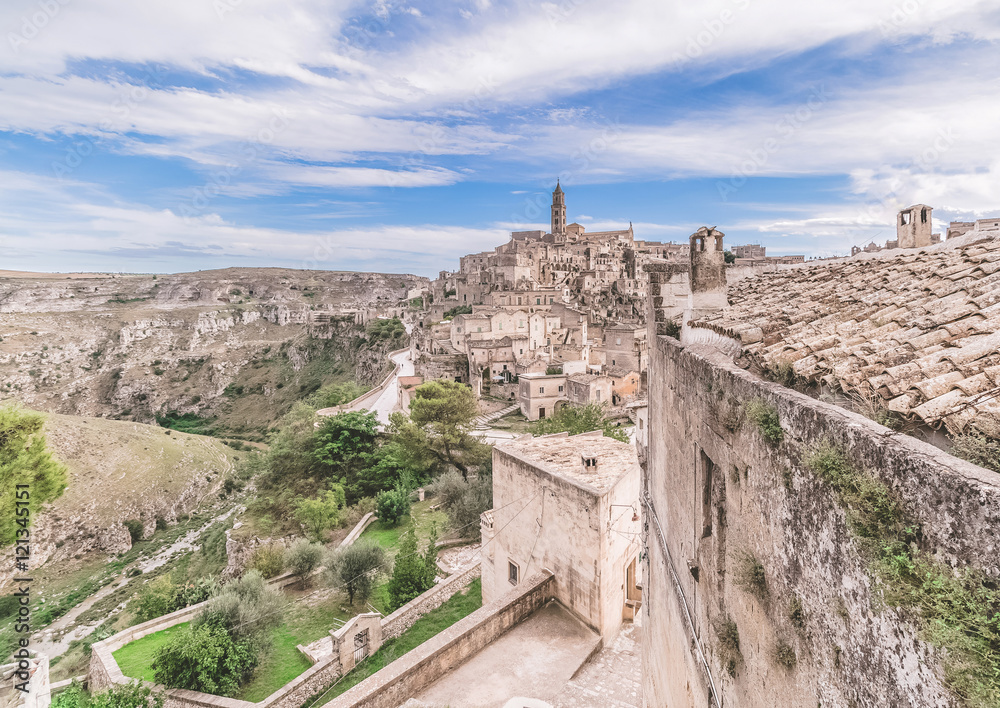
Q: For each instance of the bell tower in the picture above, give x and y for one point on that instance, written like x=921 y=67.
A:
x=558 y=211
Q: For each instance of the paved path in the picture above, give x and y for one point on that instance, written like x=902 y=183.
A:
x=387 y=402
x=612 y=679
x=533 y=659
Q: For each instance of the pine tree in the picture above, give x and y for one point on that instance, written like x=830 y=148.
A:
x=430 y=559
x=408 y=572
x=24 y=460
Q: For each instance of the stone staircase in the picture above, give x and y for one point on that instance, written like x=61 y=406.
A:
x=482 y=422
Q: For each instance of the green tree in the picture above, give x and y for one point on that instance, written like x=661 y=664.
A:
x=580 y=419
x=25 y=460
x=409 y=573
x=464 y=500
x=268 y=560
x=430 y=558
x=303 y=558
x=729 y=257
x=155 y=599
x=346 y=447
x=355 y=569
x=205 y=658
x=442 y=413
x=392 y=505
x=291 y=451
x=321 y=514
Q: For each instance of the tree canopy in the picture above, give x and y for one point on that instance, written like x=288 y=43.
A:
x=441 y=415
x=580 y=419
x=25 y=460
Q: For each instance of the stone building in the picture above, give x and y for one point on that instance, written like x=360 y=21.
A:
x=758 y=589
x=584 y=389
x=540 y=393
x=625 y=347
x=568 y=504
x=913 y=226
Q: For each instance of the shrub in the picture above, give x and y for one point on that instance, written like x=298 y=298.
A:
x=321 y=514
x=303 y=558
x=796 y=614
x=392 y=505
x=269 y=560
x=130 y=695
x=247 y=609
x=980 y=446
x=765 y=417
x=161 y=523
x=191 y=593
x=205 y=658
x=784 y=655
x=410 y=576
x=464 y=502
x=750 y=576
x=356 y=568
x=134 y=527
x=729 y=644
x=155 y=599
x=672 y=329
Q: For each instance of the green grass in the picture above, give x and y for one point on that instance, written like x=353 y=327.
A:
x=281 y=662
x=187 y=423
x=134 y=658
x=434 y=622
x=421 y=517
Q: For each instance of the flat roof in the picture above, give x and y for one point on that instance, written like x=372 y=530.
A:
x=562 y=454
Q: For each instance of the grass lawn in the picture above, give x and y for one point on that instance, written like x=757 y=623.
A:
x=280 y=664
x=420 y=515
x=135 y=657
x=437 y=620
x=513 y=422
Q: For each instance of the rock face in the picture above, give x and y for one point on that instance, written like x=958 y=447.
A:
x=143 y=346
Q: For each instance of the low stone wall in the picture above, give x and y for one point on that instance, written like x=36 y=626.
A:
x=402 y=619
x=416 y=670
x=359 y=529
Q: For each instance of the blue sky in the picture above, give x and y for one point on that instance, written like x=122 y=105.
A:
x=174 y=135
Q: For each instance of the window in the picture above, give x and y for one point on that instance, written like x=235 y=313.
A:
x=541 y=389
x=504 y=367
x=560 y=389
x=478 y=329
x=538 y=301
x=512 y=572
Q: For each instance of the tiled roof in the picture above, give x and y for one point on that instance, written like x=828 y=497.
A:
x=921 y=328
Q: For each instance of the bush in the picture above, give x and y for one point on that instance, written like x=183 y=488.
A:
x=729 y=644
x=392 y=505
x=356 y=568
x=269 y=560
x=980 y=446
x=464 y=502
x=134 y=527
x=205 y=658
x=751 y=577
x=155 y=599
x=784 y=655
x=303 y=558
x=247 y=608
x=130 y=695
x=412 y=573
x=321 y=514
x=765 y=417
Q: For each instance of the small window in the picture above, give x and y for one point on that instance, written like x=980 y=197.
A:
x=512 y=572
x=541 y=389
x=560 y=389
x=538 y=301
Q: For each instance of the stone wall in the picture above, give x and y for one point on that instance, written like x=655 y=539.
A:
x=402 y=619
x=416 y=670
x=716 y=490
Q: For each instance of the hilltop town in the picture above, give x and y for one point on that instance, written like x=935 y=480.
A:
x=791 y=498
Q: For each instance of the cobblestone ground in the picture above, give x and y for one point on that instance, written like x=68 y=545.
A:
x=609 y=680
x=460 y=557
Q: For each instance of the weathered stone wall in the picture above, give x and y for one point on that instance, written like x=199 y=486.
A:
x=413 y=672
x=402 y=619
x=717 y=491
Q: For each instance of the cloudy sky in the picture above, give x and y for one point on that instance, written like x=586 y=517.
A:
x=170 y=135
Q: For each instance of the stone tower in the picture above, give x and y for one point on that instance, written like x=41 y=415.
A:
x=558 y=212
x=708 y=271
x=913 y=226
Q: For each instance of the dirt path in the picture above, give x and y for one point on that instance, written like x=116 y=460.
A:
x=55 y=639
